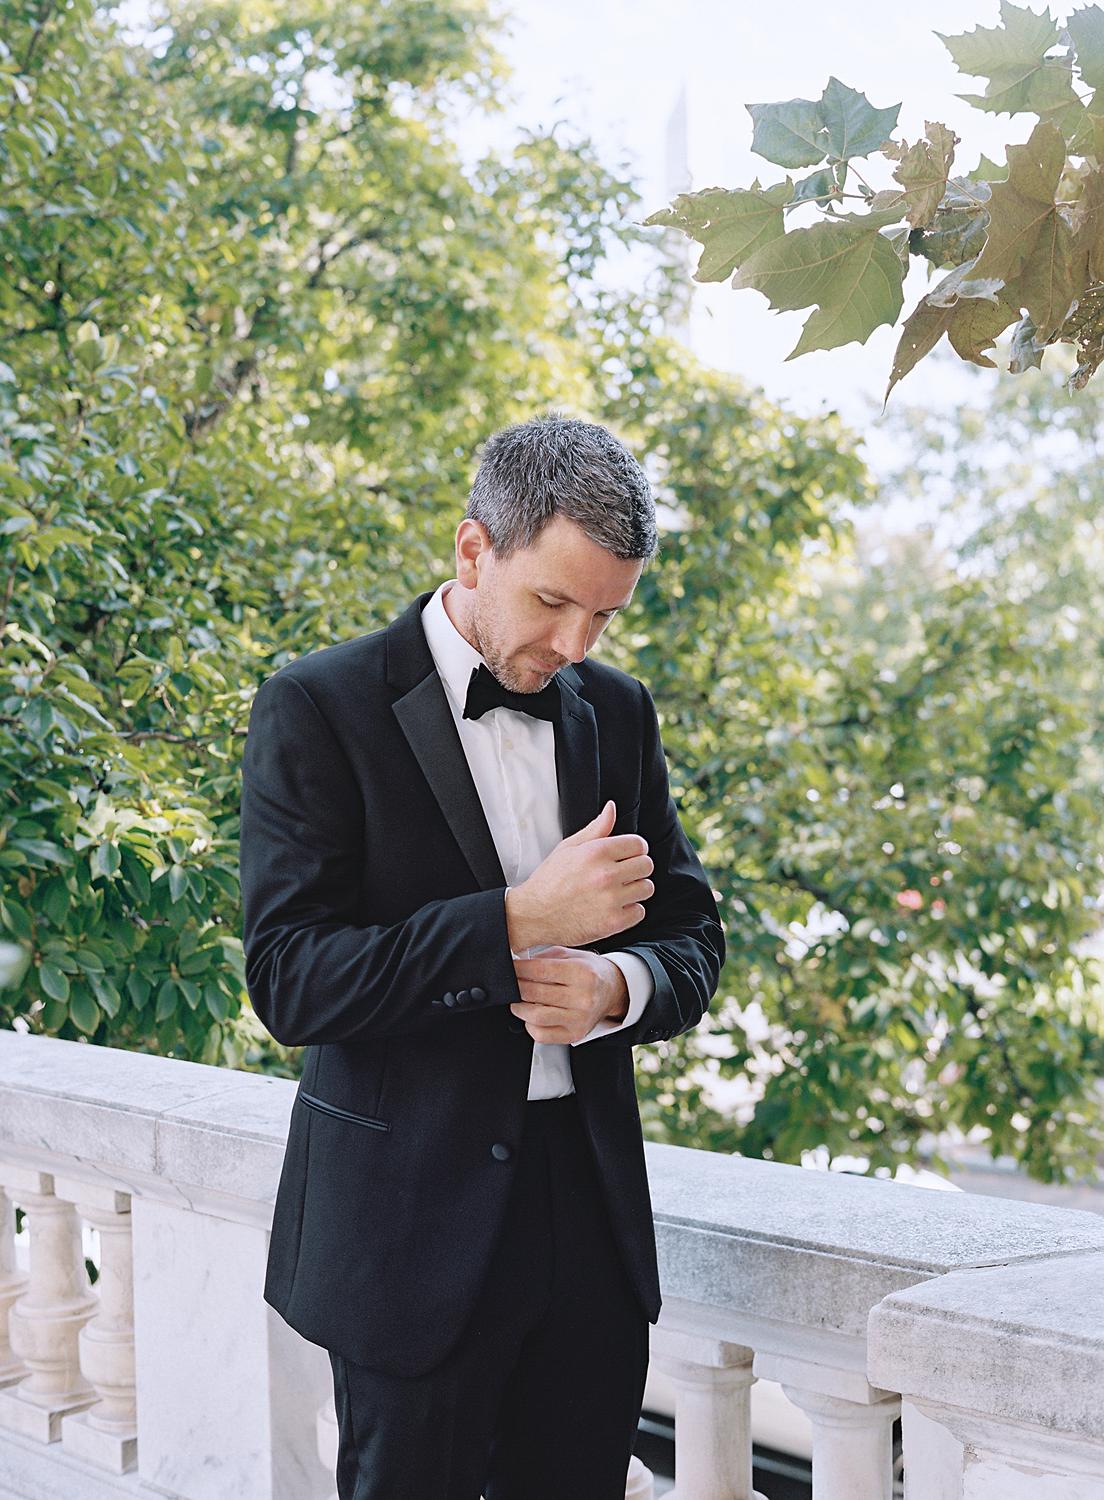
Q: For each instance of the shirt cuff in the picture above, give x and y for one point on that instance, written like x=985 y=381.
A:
x=641 y=985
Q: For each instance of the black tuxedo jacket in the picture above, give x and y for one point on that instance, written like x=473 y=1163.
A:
x=371 y=890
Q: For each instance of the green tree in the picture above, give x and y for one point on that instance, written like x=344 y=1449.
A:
x=249 y=341
x=896 y=811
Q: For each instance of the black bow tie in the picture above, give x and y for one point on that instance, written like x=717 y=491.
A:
x=486 y=692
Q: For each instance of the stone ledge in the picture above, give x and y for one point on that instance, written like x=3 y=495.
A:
x=1021 y=1343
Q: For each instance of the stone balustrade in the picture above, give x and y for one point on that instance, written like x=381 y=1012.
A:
x=978 y=1320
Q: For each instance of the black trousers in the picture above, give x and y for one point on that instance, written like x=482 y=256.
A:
x=541 y=1397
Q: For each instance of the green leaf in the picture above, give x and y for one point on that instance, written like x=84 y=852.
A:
x=54 y=983
x=215 y=1001
x=923 y=171
x=1021 y=38
x=106 y=993
x=138 y=988
x=196 y=962
x=850 y=270
x=1050 y=282
x=840 y=125
x=225 y=882
x=964 y=282
x=989 y=171
x=970 y=311
x=55 y=1013
x=166 y=1000
x=1031 y=243
x=854 y=127
x=55 y=901
x=790 y=134
x=1011 y=57
x=1088 y=227
x=1086 y=32
x=1020 y=206
x=84 y=1012
x=105 y=860
x=729 y=225
x=818 y=185
x=136 y=876
x=1024 y=352
x=178 y=881
x=961 y=223
x=39 y=852
x=16 y=919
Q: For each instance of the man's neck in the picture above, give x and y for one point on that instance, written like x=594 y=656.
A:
x=453 y=607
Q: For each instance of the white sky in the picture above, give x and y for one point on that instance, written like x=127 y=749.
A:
x=615 y=68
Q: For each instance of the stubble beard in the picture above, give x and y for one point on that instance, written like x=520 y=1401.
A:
x=501 y=668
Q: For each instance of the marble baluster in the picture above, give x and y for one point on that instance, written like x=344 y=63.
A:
x=852 y=1444
x=106 y=1434
x=46 y=1320
x=712 y=1380
x=12 y=1285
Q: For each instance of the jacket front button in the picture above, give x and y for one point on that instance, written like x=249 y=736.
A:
x=500 y=1151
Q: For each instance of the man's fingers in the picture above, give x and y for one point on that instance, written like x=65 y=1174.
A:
x=542 y=1014
x=545 y=968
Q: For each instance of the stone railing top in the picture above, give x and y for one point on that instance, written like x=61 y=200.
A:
x=754 y=1239
x=158 y=1122
x=862 y=1218
x=764 y=1248
x=1024 y=1343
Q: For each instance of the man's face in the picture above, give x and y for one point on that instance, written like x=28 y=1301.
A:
x=546 y=605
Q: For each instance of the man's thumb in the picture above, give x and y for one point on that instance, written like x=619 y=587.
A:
x=597 y=828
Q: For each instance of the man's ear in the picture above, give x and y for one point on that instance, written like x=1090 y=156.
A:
x=472 y=544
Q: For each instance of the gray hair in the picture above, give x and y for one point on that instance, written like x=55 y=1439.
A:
x=556 y=465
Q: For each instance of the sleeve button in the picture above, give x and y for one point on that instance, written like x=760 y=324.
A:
x=449 y=999
x=477 y=994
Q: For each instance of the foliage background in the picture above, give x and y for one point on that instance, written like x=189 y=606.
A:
x=256 y=317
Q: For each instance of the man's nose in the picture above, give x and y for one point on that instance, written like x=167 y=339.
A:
x=571 y=644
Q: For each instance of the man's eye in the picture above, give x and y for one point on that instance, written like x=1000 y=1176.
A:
x=605 y=614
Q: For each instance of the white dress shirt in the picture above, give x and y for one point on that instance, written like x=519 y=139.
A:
x=512 y=758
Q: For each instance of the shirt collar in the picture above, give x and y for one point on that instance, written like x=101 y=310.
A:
x=454 y=657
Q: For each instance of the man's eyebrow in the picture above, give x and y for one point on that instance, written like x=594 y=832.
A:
x=567 y=599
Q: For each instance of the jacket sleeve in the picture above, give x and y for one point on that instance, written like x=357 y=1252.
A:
x=680 y=937
x=314 y=973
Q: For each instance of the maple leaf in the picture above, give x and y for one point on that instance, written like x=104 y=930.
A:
x=923 y=171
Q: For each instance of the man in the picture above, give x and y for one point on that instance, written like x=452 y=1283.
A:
x=467 y=894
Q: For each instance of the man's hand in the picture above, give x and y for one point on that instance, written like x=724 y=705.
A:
x=566 y=991
x=593 y=883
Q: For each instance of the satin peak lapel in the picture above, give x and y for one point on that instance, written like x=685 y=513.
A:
x=576 y=755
